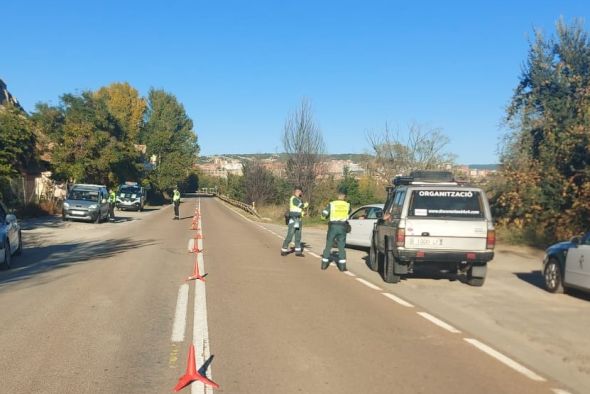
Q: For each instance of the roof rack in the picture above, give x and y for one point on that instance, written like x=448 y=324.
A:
x=425 y=177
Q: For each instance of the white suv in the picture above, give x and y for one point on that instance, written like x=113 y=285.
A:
x=429 y=219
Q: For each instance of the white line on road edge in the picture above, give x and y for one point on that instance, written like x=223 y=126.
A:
x=560 y=391
x=349 y=274
x=200 y=326
x=314 y=255
x=439 y=322
x=369 y=284
x=179 y=326
x=505 y=360
x=398 y=300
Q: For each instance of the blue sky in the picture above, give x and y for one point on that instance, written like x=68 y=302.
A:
x=240 y=67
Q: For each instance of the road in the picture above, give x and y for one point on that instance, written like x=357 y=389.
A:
x=106 y=309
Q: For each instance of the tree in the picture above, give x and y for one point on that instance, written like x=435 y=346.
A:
x=260 y=185
x=304 y=146
x=88 y=141
x=420 y=149
x=169 y=135
x=546 y=157
x=126 y=106
x=17 y=142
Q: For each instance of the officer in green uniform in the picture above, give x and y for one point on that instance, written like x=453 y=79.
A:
x=112 y=202
x=295 y=225
x=176 y=201
x=337 y=212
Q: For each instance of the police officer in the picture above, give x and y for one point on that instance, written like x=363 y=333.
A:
x=295 y=225
x=112 y=202
x=337 y=212
x=176 y=201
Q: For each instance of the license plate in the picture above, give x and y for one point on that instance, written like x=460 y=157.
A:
x=425 y=241
x=78 y=213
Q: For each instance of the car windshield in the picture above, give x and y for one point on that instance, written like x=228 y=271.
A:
x=446 y=203
x=83 y=195
x=129 y=190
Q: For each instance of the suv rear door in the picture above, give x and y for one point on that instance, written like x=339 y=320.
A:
x=446 y=219
x=392 y=213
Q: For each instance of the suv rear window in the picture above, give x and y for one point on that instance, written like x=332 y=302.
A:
x=446 y=203
x=83 y=195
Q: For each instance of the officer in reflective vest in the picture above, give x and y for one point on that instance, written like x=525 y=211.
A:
x=112 y=202
x=295 y=225
x=176 y=201
x=337 y=212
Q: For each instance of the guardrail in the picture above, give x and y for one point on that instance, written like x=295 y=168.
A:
x=238 y=204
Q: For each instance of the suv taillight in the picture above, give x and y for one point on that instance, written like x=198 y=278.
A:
x=491 y=239
x=400 y=237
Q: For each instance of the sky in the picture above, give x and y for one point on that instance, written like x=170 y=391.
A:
x=241 y=67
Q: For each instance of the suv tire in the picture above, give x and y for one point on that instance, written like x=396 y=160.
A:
x=389 y=275
x=375 y=257
x=553 y=277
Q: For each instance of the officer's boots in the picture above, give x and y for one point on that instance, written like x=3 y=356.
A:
x=325 y=263
x=342 y=267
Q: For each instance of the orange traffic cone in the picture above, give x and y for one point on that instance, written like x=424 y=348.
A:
x=196 y=274
x=191 y=374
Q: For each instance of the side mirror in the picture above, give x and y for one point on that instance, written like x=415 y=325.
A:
x=103 y=201
x=10 y=218
x=575 y=240
x=379 y=214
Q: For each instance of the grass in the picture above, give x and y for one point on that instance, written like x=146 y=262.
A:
x=516 y=236
x=276 y=215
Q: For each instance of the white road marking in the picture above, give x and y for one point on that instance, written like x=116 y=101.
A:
x=439 y=322
x=560 y=391
x=200 y=326
x=369 y=284
x=349 y=274
x=315 y=255
x=505 y=360
x=179 y=326
x=398 y=300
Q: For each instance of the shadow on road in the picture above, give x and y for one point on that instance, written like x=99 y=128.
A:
x=534 y=278
x=45 y=258
x=43 y=221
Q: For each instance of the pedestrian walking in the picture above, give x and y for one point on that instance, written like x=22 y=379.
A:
x=112 y=202
x=176 y=201
x=294 y=222
x=337 y=212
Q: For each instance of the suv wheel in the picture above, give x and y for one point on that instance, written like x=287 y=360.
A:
x=389 y=275
x=553 y=277
x=374 y=257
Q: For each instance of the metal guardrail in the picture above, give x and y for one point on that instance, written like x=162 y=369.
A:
x=238 y=204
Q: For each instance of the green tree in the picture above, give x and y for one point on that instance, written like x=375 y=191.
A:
x=88 y=142
x=169 y=135
x=126 y=106
x=17 y=142
x=545 y=162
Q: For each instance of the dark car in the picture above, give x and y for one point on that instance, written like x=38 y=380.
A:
x=567 y=265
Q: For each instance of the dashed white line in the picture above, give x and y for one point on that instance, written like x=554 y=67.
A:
x=439 y=322
x=349 y=274
x=398 y=300
x=560 y=391
x=505 y=360
x=314 y=255
x=179 y=326
x=369 y=284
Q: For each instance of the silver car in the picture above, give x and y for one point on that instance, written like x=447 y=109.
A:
x=87 y=202
x=10 y=237
x=361 y=223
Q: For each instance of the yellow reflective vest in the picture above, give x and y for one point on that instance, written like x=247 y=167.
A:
x=339 y=211
x=176 y=196
x=295 y=207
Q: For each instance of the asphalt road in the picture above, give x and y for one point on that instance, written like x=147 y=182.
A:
x=106 y=309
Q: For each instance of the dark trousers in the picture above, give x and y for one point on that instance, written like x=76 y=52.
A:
x=112 y=210
x=336 y=232
x=293 y=230
x=176 y=208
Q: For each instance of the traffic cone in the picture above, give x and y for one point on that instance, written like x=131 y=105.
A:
x=191 y=374
x=196 y=274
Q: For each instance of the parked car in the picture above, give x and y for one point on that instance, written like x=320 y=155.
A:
x=11 y=242
x=432 y=221
x=131 y=196
x=362 y=222
x=86 y=202
x=567 y=265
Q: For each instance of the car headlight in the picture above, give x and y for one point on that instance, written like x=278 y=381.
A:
x=66 y=205
x=93 y=207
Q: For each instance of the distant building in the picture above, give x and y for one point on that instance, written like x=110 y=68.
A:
x=221 y=167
